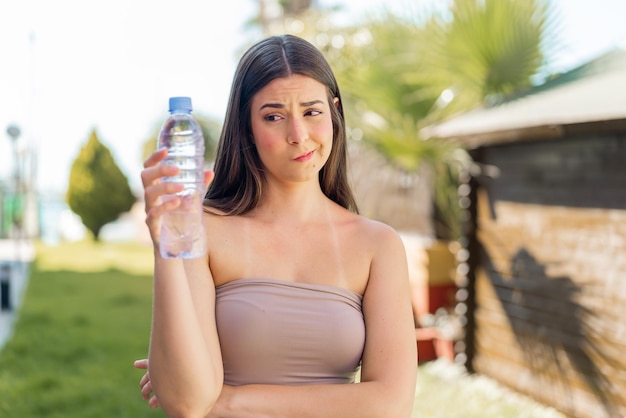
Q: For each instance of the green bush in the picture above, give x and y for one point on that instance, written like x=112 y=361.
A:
x=98 y=191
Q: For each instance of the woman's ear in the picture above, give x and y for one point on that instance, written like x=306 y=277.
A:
x=336 y=102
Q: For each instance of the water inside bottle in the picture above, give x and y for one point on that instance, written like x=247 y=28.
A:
x=183 y=153
x=182 y=233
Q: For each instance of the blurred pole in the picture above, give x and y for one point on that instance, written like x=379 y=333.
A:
x=14 y=133
x=5 y=288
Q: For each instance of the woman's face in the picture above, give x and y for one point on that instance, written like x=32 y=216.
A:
x=292 y=128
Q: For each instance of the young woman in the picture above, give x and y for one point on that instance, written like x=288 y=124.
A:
x=297 y=293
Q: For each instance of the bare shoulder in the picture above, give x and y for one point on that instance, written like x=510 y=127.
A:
x=388 y=262
x=217 y=226
x=377 y=233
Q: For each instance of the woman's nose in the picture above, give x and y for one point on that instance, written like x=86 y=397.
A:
x=297 y=131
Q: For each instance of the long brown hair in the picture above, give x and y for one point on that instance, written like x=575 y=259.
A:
x=239 y=181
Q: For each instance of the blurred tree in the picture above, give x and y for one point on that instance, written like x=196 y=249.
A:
x=211 y=129
x=420 y=68
x=276 y=16
x=295 y=7
x=98 y=191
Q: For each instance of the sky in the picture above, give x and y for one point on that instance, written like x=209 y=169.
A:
x=70 y=66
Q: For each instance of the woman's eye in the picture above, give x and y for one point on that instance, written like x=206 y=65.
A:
x=313 y=112
x=272 y=118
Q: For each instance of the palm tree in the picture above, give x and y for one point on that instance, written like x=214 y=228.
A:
x=422 y=69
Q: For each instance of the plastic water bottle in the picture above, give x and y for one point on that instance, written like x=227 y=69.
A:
x=182 y=233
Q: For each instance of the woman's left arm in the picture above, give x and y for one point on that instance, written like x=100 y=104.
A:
x=389 y=363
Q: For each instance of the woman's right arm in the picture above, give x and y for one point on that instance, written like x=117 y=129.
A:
x=185 y=363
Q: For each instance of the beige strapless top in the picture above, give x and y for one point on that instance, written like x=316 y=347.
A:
x=280 y=332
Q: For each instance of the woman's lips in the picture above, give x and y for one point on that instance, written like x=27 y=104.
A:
x=304 y=157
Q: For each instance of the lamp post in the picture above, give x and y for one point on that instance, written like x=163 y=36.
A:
x=14 y=133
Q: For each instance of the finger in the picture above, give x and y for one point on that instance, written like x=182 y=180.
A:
x=155 y=157
x=151 y=175
x=153 y=402
x=154 y=202
x=144 y=379
x=146 y=391
x=154 y=213
x=141 y=364
x=154 y=193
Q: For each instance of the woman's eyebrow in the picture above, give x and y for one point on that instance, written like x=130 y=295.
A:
x=311 y=103
x=281 y=106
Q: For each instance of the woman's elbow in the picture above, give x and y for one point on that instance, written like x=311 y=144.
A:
x=398 y=403
x=198 y=405
x=183 y=409
x=404 y=408
x=398 y=408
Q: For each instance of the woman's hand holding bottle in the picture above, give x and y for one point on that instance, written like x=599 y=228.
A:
x=154 y=189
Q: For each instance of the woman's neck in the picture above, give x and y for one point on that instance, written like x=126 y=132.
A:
x=294 y=203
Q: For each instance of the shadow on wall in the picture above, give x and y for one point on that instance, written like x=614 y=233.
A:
x=548 y=321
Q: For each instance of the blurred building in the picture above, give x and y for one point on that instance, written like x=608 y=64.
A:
x=384 y=192
x=544 y=280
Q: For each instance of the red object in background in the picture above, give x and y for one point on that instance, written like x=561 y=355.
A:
x=430 y=344
x=441 y=296
x=425 y=344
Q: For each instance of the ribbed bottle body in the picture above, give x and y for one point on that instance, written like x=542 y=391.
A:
x=182 y=232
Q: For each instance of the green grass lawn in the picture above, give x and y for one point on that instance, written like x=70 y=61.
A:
x=86 y=317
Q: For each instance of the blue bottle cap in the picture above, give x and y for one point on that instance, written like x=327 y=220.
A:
x=181 y=104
